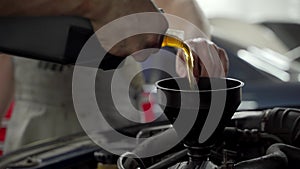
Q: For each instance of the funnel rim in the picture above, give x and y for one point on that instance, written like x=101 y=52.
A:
x=241 y=84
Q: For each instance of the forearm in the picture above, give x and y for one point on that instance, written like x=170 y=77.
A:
x=40 y=7
x=6 y=83
x=100 y=12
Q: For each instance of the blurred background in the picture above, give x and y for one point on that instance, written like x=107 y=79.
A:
x=262 y=39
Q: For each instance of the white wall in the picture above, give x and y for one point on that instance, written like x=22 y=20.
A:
x=253 y=10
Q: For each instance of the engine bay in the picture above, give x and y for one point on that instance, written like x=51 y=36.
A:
x=266 y=139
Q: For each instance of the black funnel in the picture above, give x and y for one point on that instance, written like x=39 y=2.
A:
x=214 y=101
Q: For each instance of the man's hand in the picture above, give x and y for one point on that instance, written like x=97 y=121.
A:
x=209 y=59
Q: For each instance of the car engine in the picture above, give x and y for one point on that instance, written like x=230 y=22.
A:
x=267 y=139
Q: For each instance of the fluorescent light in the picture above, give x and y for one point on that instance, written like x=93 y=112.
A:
x=271 y=57
x=263 y=65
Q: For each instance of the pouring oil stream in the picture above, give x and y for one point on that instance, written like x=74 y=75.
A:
x=189 y=59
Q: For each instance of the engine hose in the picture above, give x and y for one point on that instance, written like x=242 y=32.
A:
x=278 y=156
x=284 y=123
x=281 y=122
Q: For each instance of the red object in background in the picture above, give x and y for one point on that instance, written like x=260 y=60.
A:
x=149 y=115
x=5 y=120
x=10 y=110
x=2 y=134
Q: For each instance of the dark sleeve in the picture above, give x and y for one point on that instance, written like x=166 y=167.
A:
x=110 y=62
